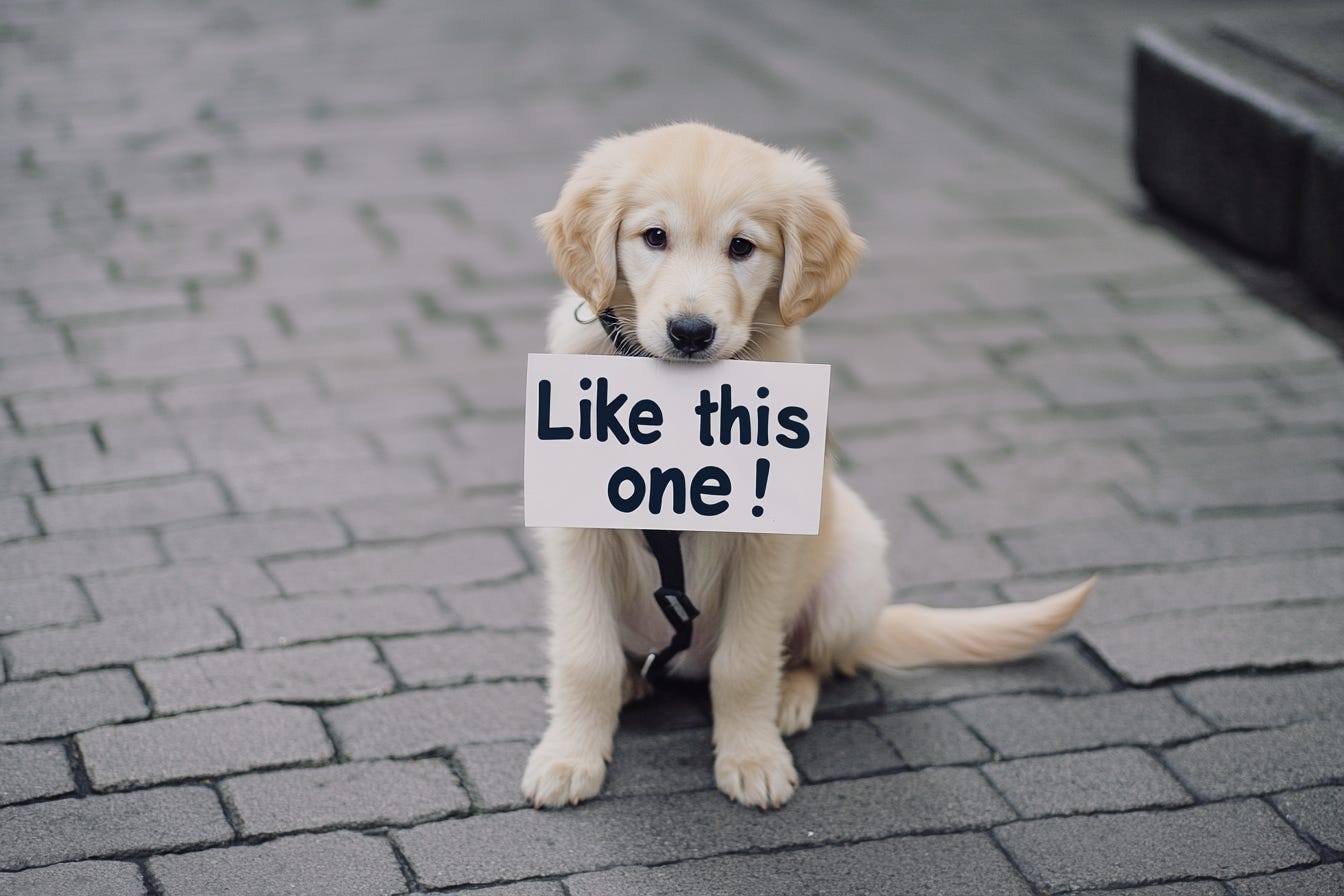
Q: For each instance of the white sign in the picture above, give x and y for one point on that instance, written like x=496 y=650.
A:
x=638 y=443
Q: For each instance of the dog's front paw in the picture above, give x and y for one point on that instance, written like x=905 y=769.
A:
x=763 y=778
x=554 y=778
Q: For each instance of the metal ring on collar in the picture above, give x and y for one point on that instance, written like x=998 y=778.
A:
x=579 y=307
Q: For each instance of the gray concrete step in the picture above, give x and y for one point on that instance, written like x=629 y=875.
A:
x=1239 y=127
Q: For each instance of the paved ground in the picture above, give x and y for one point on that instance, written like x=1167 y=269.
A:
x=273 y=625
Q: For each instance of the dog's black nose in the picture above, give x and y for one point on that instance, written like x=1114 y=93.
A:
x=691 y=334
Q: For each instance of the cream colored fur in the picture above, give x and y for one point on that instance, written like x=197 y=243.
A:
x=779 y=613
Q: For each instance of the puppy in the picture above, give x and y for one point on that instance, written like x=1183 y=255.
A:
x=701 y=245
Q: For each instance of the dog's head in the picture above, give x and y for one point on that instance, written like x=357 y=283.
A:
x=699 y=239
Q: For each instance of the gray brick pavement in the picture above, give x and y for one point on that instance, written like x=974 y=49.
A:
x=842 y=748
x=1318 y=812
x=454 y=561
x=1255 y=762
x=1144 y=847
x=29 y=771
x=517 y=603
x=124 y=507
x=76 y=554
x=115 y=641
x=1098 y=781
x=312 y=673
x=253 y=536
x=1200 y=888
x=1311 y=880
x=46 y=600
x=932 y=736
x=418 y=721
x=76 y=879
x=684 y=763
x=340 y=862
x=95 y=826
x=965 y=864
x=356 y=794
x=1026 y=725
x=491 y=773
x=616 y=832
x=262 y=322
x=1056 y=669
x=200 y=745
x=321 y=617
x=460 y=657
x=208 y=583
x=1146 y=650
x=68 y=703
x=1262 y=580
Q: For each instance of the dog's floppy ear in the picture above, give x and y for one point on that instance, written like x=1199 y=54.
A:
x=580 y=232
x=820 y=251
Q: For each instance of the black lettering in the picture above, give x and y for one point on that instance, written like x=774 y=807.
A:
x=545 y=431
x=606 y=414
x=621 y=476
x=731 y=414
x=585 y=419
x=659 y=480
x=712 y=481
x=791 y=418
x=645 y=412
x=705 y=410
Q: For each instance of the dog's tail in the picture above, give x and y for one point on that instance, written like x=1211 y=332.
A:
x=915 y=635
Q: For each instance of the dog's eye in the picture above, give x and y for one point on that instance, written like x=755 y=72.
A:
x=740 y=248
x=655 y=238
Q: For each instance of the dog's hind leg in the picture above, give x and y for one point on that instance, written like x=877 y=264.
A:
x=798 y=692
x=635 y=687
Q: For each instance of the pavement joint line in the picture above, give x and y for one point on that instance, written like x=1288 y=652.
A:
x=75 y=760
x=397 y=684
x=1260 y=511
x=10 y=415
x=464 y=780
x=407 y=872
x=1185 y=704
x=144 y=691
x=998 y=843
x=231 y=814
x=1324 y=854
x=1102 y=571
x=240 y=345
x=1089 y=654
x=150 y=882
x=1157 y=753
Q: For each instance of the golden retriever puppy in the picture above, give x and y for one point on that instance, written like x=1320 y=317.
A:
x=702 y=245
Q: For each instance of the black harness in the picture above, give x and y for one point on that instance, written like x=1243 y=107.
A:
x=671 y=598
x=664 y=544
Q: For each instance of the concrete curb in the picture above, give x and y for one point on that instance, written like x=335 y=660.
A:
x=1245 y=146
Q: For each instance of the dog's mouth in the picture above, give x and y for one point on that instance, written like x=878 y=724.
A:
x=683 y=342
x=677 y=356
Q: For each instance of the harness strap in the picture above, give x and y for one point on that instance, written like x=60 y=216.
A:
x=665 y=544
x=671 y=598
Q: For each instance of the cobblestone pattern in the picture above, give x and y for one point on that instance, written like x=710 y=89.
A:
x=268 y=617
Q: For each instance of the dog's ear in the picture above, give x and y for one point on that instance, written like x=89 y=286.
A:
x=820 y=251
x=580 y=232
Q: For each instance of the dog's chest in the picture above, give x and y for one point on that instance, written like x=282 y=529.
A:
x=645 y=630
